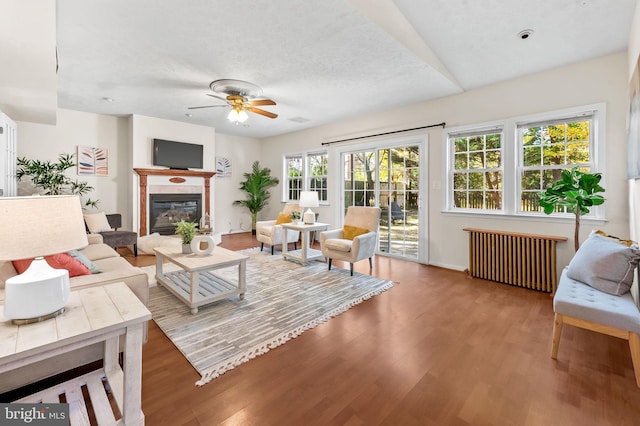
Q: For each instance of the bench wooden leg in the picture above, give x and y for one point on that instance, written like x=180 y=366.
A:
x=557 y=330
x=634 y=345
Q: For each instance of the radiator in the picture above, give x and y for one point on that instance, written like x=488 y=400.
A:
x=523 y=260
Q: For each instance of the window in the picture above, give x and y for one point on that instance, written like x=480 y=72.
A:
x=546 y=149
x=477 y=170
x=501 y=167
x=306 y=172
x=318 y=174
x=293 y=177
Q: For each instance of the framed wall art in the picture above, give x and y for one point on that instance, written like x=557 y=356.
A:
x=93 y=161
x=223 y=167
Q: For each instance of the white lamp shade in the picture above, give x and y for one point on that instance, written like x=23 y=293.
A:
x=308 y=199
x=40 y=226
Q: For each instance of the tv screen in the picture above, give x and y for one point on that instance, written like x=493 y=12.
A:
x=177 y=155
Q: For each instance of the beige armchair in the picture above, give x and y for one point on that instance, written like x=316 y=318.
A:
x=270 y=232
x=356 y=240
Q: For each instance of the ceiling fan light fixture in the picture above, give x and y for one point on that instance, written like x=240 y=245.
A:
x=233 y=115
x=242 y=116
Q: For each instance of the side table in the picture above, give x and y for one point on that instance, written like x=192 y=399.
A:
x=305 y=253
x=96 y=314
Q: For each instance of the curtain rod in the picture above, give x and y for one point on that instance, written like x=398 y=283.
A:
x=385 y=133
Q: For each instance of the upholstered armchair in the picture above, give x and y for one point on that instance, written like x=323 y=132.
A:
x=270 y=231
x=356 y=240
x=106 y=226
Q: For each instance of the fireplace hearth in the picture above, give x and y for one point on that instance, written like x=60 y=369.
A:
x=166 y=209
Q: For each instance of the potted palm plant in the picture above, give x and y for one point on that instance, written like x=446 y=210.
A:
x=186 y=230
x=50 y=177
x=577 y=192
x=256 y=185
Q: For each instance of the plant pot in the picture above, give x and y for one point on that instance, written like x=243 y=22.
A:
x=186 y=248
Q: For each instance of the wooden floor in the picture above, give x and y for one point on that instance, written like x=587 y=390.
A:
x=437 y=349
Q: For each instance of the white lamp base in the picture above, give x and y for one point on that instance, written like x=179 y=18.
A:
x=309 y=217
x=38 y=293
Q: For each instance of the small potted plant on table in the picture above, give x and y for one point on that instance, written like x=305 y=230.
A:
x=186 y=230
x=295 y=217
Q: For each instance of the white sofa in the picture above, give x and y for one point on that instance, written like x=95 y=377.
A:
x=114 y=269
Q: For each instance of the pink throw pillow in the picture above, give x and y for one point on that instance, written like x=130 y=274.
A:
x=57 y=261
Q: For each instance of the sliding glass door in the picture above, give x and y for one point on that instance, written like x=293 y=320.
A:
x=390 y=179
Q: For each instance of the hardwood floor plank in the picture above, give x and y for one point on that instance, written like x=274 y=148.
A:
x=436 y=349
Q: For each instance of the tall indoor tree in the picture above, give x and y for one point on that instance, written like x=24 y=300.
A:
x=576 y=191
x=256 y=185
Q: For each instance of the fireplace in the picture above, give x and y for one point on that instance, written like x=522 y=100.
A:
x=166 y=209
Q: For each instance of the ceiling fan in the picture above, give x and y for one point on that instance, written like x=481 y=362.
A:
x=240 y=97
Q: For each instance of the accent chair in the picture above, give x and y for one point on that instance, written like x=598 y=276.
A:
x=356 y=240
x=270 y=231
x=116 y=238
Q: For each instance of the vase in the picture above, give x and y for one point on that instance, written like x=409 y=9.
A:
x=186 y=248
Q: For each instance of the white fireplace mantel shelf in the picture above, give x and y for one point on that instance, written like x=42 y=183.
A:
x=177 y=177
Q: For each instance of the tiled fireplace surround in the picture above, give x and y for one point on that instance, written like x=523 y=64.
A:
x=164 y=181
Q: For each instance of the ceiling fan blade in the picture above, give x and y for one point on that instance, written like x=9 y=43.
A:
x=217 y=97
x=207 y=106
x=259 y=102
x=262 y=112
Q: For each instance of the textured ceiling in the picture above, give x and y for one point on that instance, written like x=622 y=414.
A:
x=319 y=60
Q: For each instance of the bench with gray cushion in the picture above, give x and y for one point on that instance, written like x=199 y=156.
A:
x=581 y=305
x=117 y=238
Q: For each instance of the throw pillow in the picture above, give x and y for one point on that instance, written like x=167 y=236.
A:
x=627 y=243
x=56 y=261
x=85 y=261
x=97 y=222
x=604 y=264
x=283 y=218
x=350 y=232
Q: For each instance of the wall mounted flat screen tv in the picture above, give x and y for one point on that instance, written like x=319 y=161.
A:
x=177 y=155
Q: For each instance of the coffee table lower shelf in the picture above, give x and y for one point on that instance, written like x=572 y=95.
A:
x=211 y=288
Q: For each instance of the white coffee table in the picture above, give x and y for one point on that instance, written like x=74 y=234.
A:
x=195 y=284
x=305 y=253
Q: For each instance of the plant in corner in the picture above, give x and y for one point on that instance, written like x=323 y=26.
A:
x=50 y=177
x=256 y=185
x=186 y=230
x=577 y=192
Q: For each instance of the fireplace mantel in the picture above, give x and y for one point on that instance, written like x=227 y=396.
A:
x=143 y=173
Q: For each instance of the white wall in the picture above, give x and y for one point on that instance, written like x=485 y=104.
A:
x=600 y=80
x=242 y=152
x=45 y=142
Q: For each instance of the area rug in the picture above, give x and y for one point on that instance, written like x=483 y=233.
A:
x=283 y=300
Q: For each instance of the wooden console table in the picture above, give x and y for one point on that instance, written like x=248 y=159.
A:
x=143 y=173
x=96 y=314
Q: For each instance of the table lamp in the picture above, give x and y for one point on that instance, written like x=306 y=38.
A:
x=39 y=226
x=309 y=199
